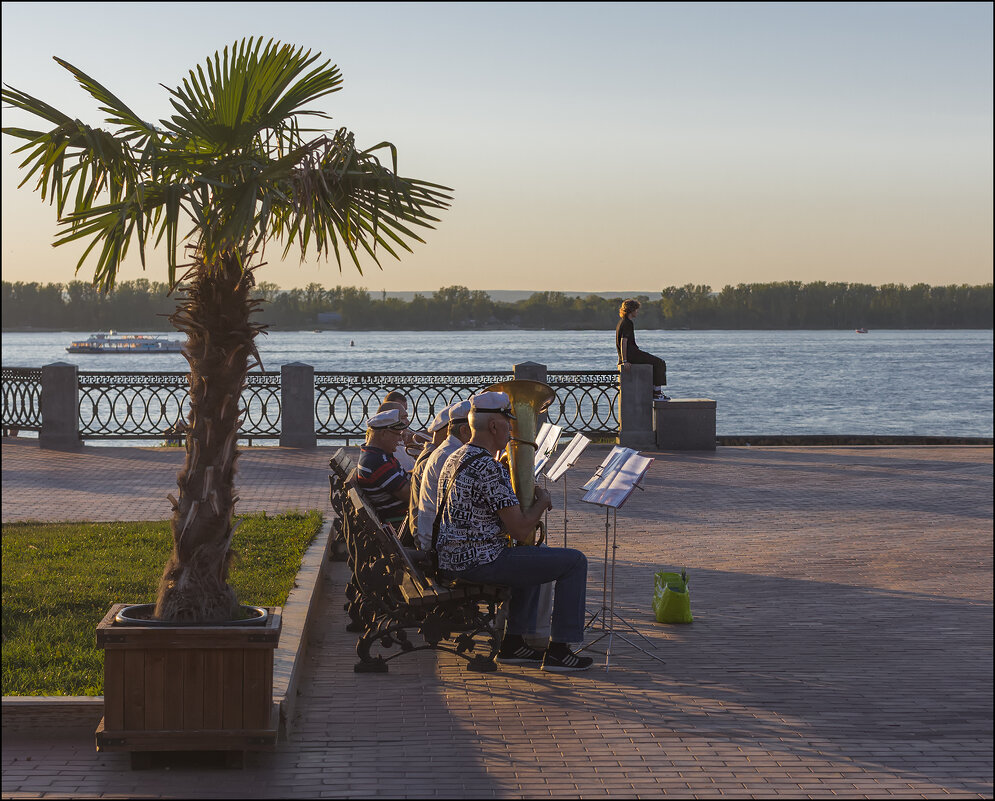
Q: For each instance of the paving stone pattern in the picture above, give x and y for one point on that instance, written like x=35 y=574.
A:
x=842 y=643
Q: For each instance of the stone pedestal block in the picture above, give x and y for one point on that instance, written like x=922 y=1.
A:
x=635 y=407
x=532 y=371
x=59 y=407
x=529 y=371
x=687 y=424
x=297 y=406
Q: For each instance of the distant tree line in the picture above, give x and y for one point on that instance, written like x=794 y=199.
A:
x=143 y=306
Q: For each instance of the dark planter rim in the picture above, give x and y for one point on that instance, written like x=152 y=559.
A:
x=128 y=616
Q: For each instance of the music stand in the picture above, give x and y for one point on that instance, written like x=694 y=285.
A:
x=610 y=487
x=559 y=469
x=546 y=441
x=613 y=461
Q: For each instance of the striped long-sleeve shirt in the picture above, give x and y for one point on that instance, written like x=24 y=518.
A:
x=379 y=475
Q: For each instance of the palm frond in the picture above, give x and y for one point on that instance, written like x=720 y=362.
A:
x=249 y=91
x=231 y=168
x=120 y=113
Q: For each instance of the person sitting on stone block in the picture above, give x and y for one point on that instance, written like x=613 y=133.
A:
x=629 y=352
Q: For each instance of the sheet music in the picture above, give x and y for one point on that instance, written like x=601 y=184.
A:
x=569 y=457
x=617 y=480
x=546 y=441
x=612 y=461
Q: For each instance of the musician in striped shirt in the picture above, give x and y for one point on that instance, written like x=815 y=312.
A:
x=379 y=475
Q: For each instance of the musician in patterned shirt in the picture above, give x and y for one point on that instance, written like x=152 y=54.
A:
x=480 y=516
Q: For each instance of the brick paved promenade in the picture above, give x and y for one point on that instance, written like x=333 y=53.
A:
x=842 y=643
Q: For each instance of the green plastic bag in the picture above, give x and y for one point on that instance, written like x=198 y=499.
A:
x=671 y=599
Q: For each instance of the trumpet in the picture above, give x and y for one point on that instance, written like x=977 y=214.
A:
x=418 y=440
x=529 y=399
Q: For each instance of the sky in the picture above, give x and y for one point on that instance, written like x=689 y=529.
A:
x=590 y=146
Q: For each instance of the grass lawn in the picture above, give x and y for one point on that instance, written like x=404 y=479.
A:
x=59 y=580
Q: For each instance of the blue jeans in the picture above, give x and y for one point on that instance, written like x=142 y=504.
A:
x=524 y=569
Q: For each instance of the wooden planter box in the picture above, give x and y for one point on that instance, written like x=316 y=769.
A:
x=188 y=688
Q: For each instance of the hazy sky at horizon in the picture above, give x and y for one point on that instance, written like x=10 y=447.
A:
x=593 y=146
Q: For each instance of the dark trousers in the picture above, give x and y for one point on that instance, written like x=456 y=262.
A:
x=525 y=570
x=659 y=366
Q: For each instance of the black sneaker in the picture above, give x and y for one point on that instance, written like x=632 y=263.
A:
x=565 y=662
x=521 y=654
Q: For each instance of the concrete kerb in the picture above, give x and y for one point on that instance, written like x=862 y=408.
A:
x=26 y=712
x=297 y=620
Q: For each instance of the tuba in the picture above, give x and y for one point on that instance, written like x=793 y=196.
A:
x=529 y=399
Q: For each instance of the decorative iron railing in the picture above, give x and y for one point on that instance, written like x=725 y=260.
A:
x=148 y=405
x=344 y=401
x=21 y=398
x=136 y=406
x=586 y=403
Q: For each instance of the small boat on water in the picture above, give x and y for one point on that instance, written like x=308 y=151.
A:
x=861 y=330
x=126 y=343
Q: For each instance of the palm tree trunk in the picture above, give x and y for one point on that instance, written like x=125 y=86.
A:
x=215 y=316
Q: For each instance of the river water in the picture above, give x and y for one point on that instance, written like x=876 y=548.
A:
x=914 y=383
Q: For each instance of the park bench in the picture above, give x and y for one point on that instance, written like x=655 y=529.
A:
x=393 y=591
x=342 y=467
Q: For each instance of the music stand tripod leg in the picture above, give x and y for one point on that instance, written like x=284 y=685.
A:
x=564 y=510
x=607 y=611
x=615 y=615
x=638 y=648
x=612 y=613
x=602 y=610
x=604 y=577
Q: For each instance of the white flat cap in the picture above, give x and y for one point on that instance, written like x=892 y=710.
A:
x=388 y=419
x=459 y=411
x=497 y=402
x=440 y=421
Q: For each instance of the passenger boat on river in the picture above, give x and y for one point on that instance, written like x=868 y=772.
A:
x=126 y=343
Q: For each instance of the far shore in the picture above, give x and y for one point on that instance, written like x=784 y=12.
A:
x=325 y=330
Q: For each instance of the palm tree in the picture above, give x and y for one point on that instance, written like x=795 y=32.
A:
x=229 y=171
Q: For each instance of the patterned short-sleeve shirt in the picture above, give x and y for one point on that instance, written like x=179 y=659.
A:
x=470 y=532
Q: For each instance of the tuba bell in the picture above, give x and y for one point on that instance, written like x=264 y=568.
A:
x=529 y=399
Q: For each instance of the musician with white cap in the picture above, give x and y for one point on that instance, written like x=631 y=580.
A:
x=439 y=429
x=386 y=484
x=398 y=400
x=458 y=435
x=478 y=519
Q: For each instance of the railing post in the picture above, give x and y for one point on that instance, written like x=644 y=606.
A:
x=635 y=407
x=297 y=406
x=531 y=371
x=59 y=407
